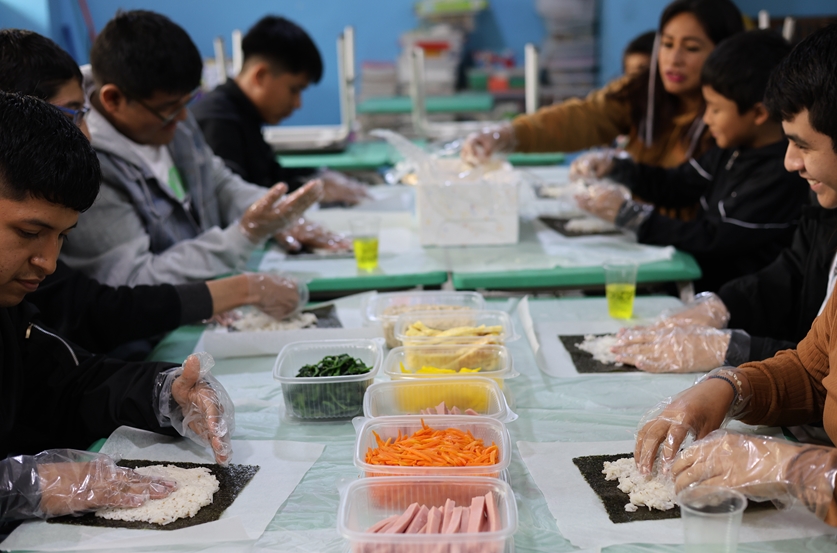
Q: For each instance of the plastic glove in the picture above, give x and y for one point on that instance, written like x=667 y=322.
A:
x=480 y=146
x=71 y=482
x=694 y=412
x=595 y=164
x=274 y=212
x=761 y=468
x=194 y=403
x=338 y=188
x=679 y=349
x=706 y=309
x=276 y=295
x=313 y=236
x=603 y=200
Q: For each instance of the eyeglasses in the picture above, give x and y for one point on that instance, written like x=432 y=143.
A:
x=166 y=119
x=77 y=115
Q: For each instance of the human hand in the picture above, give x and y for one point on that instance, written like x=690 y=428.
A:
x=679 y=349
x=604 y=200
x=197 y=406
x=480 y=146
x=595 y=164
x=73 y=482
x=706 y=309
x=311 y=235
x=338 y=188
x=276 y=295
x=697 y=411
x=274 y=212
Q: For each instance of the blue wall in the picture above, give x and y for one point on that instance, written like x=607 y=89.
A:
x=378 y=23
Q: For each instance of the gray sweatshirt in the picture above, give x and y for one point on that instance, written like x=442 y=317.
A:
x=138 y=232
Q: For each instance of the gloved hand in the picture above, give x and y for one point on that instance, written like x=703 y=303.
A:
x=480 y=146
x=274 y=212
x=194 y=403
x=308 y=234
x=761 y=468
x=73 y=481
x=338 y=188
x=695 y=412
x=276 y=295
x=603 y=200
x=706 y=309
x=596 y=164
x=679 y=349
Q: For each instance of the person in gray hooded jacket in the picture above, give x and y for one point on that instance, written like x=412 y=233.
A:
x=169 y=211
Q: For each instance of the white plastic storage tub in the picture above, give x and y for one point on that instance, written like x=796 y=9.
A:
x=444 y=325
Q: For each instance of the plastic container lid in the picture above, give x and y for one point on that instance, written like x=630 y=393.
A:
x=493 y=361
x=375 y=307
x=410 y=397
x=487 y=429
x=368 y=501
x=442 y=320
x=325 y=396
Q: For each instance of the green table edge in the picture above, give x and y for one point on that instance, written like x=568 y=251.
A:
x=377 y=281
x=680 y=267
x=456 y=103
x=522 y=159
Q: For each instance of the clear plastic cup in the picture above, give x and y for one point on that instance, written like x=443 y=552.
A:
x=365 y=231
x=711 y=518
x=620 y=287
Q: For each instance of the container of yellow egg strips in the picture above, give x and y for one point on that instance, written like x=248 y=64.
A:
x=423 y=328
x=449 y=360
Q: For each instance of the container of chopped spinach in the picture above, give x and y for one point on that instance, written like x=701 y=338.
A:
x=327 y=379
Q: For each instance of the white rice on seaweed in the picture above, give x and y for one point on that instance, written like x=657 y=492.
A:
x=655 y=491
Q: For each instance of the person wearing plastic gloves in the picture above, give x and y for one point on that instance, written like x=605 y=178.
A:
x=280 y=62
x=660 y=109
x=97 y=317
x=172 y=211
x=795 y=386
x=55 y=394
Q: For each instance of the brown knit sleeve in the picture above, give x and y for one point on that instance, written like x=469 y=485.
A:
x=787 y=389
x=576 y=124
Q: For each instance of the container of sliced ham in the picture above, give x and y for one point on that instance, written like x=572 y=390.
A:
x=433 y=445
x=456 y=395
x=428 y=515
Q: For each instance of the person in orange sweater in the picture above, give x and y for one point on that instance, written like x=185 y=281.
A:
x=795 y=386
x=660 y=110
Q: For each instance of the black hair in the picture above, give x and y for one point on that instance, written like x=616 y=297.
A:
x=284 y=44
x=34 y=65
x=738 y=69
x=44 y=155
x=643 y=44
x=719 y=18
x=143 y=52
x=807 y=79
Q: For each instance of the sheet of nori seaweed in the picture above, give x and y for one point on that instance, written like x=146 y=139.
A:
x=584 y=362
x=559 y=225
x=326 y=316
x=231 y=479
x=613 y=498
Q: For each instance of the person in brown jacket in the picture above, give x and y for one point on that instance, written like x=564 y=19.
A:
x=795 y=386
x=660 y=110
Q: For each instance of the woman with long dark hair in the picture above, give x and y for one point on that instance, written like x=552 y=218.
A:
x=660 y=110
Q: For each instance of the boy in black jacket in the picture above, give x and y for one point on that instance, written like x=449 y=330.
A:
x=54 y=394
x=749 y=204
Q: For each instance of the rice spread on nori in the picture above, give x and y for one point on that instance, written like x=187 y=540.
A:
x=584 y=361
x=232 y=480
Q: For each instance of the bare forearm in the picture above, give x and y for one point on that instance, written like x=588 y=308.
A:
x=229 y=293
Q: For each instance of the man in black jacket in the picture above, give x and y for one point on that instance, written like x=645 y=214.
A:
x=749 y=205
x=54 y=394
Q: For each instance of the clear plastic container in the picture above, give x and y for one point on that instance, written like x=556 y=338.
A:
x=494 y=361
x=384 y=309
x=487 y=429
x=411 y=397
x=325 y=397
x=447 y=321
x=368 y=501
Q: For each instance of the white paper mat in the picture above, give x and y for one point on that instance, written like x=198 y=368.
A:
x=283 y=464
x=582 y=518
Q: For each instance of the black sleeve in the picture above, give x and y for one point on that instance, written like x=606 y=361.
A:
x=681 y=186
x=762 y=348
x=224 y=137
x=19 y=490
x=99 y=318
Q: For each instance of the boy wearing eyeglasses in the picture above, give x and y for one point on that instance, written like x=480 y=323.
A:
x=169 y=211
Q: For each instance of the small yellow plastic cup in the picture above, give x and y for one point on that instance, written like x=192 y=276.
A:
x=365 y=231
x=620 y=287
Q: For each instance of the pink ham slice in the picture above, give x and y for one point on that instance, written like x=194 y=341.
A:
x=463 y=522
x=403 y=521
x=470 y=412
x=446 y=513
x=452 y=526
x=476 y=516
x=434 y=521
x=419 y=521
x=491 y=509
x=455 y=411
x=441 y=409
x=382 y=524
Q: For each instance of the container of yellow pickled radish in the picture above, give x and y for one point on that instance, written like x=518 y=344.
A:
x=417 y=328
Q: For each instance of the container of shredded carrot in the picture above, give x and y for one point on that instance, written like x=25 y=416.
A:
x=442 y=445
